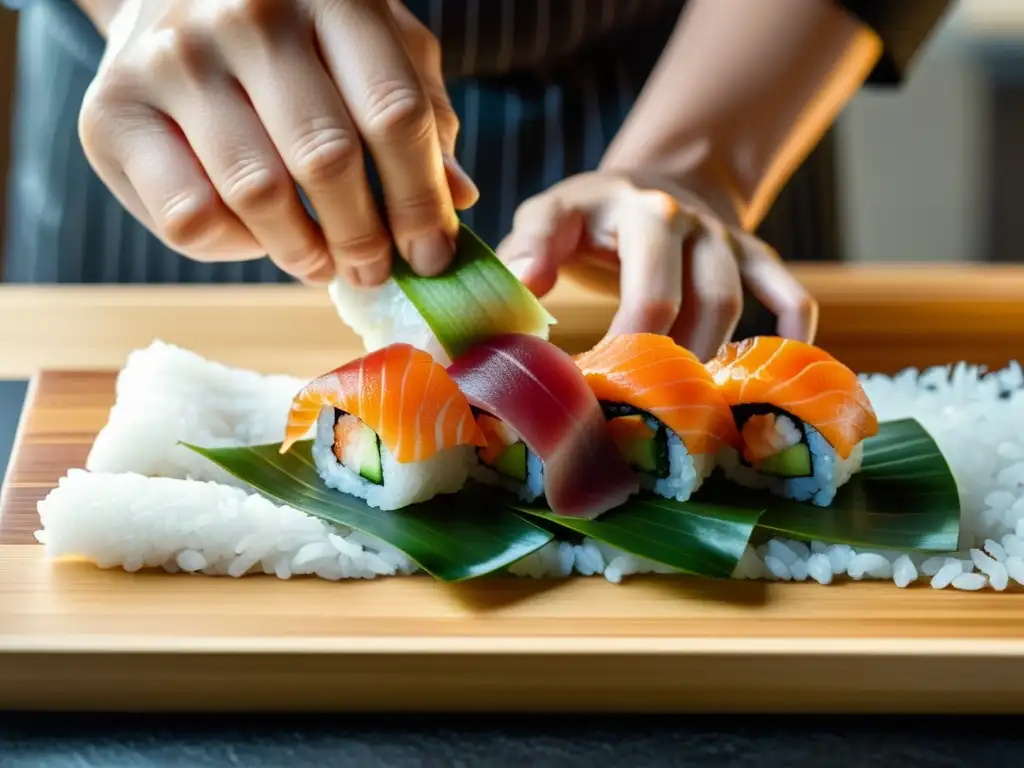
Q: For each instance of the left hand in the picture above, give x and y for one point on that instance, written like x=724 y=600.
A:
x=682 y=264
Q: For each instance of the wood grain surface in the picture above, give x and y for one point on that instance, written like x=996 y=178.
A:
x=874 y=318
x=75 y=637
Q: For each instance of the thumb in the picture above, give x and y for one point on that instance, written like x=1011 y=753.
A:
x=425 y=53
x=545 y=235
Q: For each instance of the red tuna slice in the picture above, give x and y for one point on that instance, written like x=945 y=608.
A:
x=538 y=390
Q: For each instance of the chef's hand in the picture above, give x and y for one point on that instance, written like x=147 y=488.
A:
x=206 y=113
x=681 y=264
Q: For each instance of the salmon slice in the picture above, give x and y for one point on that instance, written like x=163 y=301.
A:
x=401 y=393
x=656 y=375
x=800 y=379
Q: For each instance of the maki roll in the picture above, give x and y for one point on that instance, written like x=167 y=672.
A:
x=665 y=413
x=802 y=415
x=544 y=430
x=392 y=428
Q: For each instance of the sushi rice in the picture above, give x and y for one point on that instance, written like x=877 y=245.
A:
x=117 y=518
x=383 y=315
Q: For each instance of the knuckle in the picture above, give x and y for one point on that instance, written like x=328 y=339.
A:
x=721 y=304
x=267 y=18
x=188 y=218
x=94 y=118
x=446 y=119
x=359 y=249
x=251 y=187
x=657 y=313
x=426 y=47
x=302 y=260
x=178 y=52
x=418 y=211
x=324 y=152
x=397 y=111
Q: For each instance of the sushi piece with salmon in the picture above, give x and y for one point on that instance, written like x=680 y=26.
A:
x=392 y=428
x=544 y=433
x=667 y=417
x=802 y=415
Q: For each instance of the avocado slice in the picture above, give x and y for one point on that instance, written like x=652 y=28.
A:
x=795 y=461
x=642 y=454
x=511 y=462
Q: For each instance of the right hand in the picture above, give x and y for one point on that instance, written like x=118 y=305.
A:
x=205 y=114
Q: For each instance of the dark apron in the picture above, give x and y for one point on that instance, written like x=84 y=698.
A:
x=540 y=93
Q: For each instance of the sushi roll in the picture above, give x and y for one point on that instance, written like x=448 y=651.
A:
x=543 y=429
x=667 y=417
x=392 y=428
x=802 y=415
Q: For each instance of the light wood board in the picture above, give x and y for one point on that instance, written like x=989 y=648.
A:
x=877 y=318
x=72 y=636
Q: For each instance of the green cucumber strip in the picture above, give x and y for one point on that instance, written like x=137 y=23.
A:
x=477 y=298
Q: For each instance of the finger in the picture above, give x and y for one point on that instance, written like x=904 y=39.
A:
x=149 y=167
x=712 y=293
x=312 y=132
x=251 y=178
x=545 y=235
x=366 y=57
x=774 y=286
x=425 y=53
x=651 y=231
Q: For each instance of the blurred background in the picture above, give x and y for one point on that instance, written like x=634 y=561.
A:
x=933 y=171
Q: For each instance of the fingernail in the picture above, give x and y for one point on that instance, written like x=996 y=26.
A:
x=431 y=254
x=520 y=265
x=460 y=172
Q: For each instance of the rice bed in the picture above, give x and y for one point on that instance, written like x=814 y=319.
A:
x=195 y=518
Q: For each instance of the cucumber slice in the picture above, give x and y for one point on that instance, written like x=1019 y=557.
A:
x=795 y=461
x=512 y=462
x=367 y=455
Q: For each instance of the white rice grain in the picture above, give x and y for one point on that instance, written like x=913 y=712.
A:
x=869 y=564
x=778 y=568
x=798 y=570
x=1015 y=569
x=995 y=549
x=970 y=582
x=839 y=556
x=998 y=577
x=819 y=568
x=903 y=571
x=778 y=550
x=983 y=562
x=947 y=573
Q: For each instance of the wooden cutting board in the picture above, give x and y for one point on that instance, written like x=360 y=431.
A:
x=75 y=637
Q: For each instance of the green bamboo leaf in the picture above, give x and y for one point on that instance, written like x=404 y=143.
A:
x=453 y=538
x=904 y=498
x=693 y=537
x=476 y=298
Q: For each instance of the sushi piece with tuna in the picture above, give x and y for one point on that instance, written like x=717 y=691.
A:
x=544 y=430
x=803 y=417
x=664 y=411
x=391 y=428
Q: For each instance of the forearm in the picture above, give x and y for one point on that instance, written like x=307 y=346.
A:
x=100 y=12
x=742 y=93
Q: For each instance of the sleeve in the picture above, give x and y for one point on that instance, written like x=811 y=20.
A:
x=904 y=27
